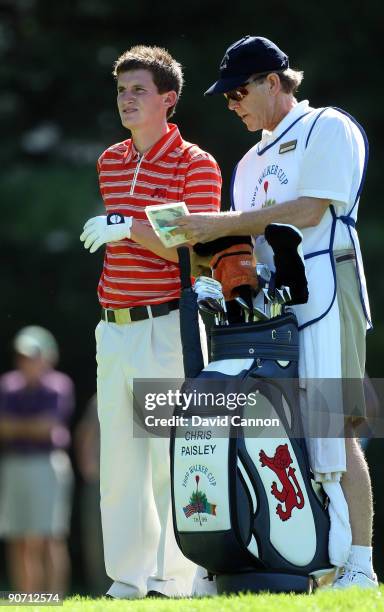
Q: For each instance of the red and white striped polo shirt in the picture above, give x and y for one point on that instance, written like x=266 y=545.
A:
x=173 y=170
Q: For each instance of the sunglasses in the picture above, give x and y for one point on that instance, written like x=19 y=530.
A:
x=238 y=94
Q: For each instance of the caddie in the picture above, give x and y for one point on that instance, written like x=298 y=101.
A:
x=307 y=170
x=138 y=335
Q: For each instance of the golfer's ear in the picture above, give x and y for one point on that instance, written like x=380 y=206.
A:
x=170 y=99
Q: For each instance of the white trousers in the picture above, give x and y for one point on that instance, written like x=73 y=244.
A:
x=140 y=549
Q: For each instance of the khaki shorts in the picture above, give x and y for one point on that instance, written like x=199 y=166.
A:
x=35 y=494
x=352 y=333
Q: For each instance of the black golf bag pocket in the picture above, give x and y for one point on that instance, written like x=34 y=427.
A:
x=242 y=493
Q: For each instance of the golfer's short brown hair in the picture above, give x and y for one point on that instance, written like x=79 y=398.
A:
x=166 y=72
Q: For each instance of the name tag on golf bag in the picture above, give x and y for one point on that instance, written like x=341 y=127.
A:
x=243 y=497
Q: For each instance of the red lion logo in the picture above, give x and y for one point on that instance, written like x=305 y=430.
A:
x=293 y=498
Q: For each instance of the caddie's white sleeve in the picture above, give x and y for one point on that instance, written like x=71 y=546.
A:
x=328 y=162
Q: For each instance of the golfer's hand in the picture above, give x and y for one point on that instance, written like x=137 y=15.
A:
x=202 y=227
x=105 y=228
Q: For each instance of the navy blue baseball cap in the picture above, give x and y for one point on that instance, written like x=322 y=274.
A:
x=247 y=56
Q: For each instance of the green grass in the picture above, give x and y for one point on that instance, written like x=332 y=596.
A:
x=333 y=601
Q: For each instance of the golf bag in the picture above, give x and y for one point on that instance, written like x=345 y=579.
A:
x=245 y=506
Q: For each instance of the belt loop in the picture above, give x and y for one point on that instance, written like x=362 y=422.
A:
x=123 y=316
x=106 y=315
x=149 y=311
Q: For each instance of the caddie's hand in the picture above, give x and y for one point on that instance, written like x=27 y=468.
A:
x=105 y=228
x=202 y=227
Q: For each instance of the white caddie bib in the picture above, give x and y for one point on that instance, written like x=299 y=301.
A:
x=269 y=174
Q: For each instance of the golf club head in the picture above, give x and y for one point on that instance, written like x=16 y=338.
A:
x=210 y=298
x=215 y=305
x=204 y=306
x=287 y=293
x=206 y=281
x=280 y=296
x=263 y=272
x=260 y=315
x=244 y=307
x=267 y=297
x=204 y=292
x=243 y=303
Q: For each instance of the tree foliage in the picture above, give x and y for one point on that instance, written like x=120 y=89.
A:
x=57 y=114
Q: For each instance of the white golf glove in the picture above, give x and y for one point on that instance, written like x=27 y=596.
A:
x=105 y=228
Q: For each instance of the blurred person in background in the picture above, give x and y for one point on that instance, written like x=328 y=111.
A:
x=36 y=479
x=87 y=451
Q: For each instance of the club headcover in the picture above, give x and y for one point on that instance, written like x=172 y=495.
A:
x=202 y=252
x=234 y=267
x=204 y=249
x=285 y=241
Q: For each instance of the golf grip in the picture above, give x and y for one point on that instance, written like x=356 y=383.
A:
x=185 y=267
